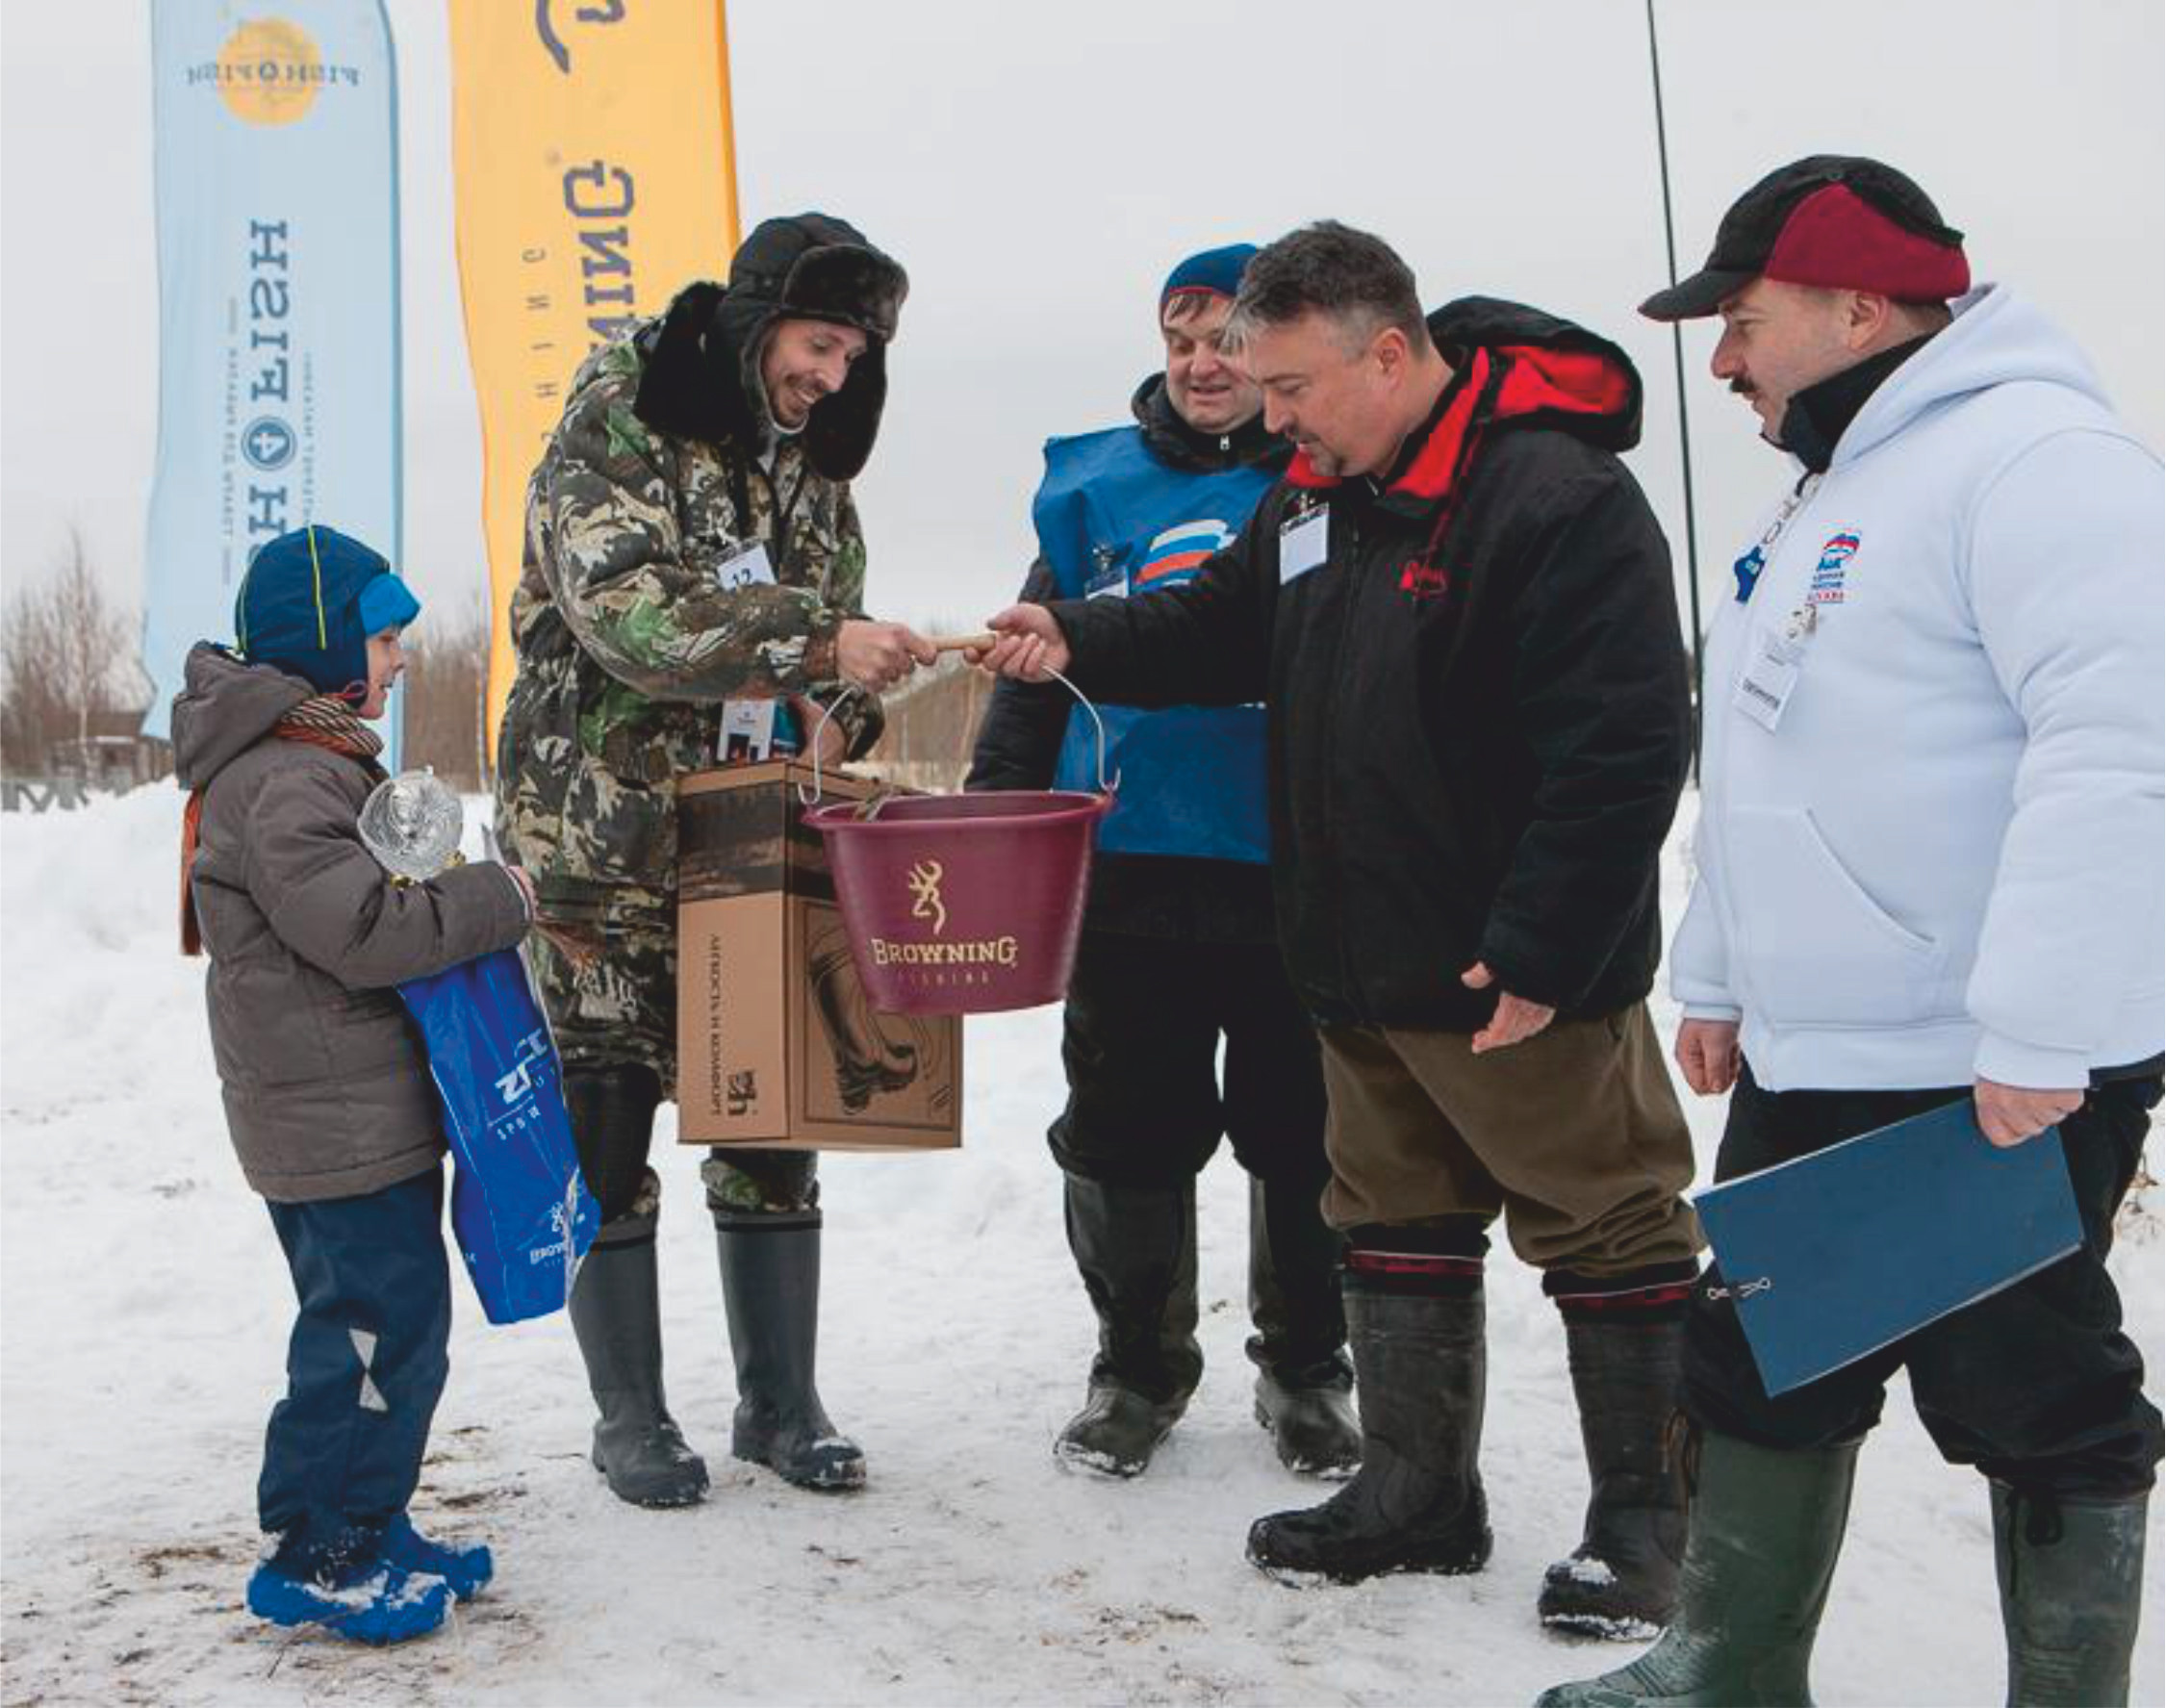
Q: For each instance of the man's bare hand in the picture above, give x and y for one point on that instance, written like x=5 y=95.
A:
x=1029 y=645
x=876 y=656
x=1516 y=1019
x=1707 y=1051
x=2009 y=1114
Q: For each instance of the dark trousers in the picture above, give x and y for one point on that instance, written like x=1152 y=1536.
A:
x=363 y=1370
x=743 y=1183
x=2036 y=1385
x=1146 y=1102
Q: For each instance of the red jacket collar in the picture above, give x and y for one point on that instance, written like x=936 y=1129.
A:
x=1510 y=382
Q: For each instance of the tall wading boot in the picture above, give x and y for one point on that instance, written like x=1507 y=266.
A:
x=1417 y=1504
x=2071 y=1581
x=616 y=1314
x=1621 y=1581
x=615 y=1307
x=1765 y=1531
x=1303 y=1380
x=1136 y=1248
x=771 y=1291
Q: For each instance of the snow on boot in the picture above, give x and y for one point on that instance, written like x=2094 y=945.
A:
x=1135 y=1249
x=1311 y=1419
x=380 y=1604
x=1116 y=1432
x=1621 y=1581
x=1416 y=1503
x=1765 y=1531
x=466 y=1566
x=2072 y=1579
x=1304 y=1382
x=771 y=1292
x=617 y=1314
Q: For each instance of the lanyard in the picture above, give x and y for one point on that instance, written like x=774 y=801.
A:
x=1747 y=568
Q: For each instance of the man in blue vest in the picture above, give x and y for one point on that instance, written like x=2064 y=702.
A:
x=1179 y=950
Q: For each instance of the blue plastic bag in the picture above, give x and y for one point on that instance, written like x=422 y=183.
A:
x=519 y=1211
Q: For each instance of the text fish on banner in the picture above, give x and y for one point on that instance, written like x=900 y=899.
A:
x=595 y=177
x=275 y=132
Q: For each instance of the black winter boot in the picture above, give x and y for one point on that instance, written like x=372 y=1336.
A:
x=1765 y=1531
x=1621 y=1581
x=1136 y=1247
x=1304 y=1381
x=1416 y=1503
x=2071 y=1581
x=770 y=1290
x=616 y=1314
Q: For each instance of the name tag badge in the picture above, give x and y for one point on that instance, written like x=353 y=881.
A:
x=745 y=566
x=1766 y=686
x=1108 y=580
x=1304 y=543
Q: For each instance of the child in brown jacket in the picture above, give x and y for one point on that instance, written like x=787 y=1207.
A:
x=327 y=1090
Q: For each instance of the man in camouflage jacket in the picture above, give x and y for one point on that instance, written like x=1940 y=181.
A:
x=690 y=538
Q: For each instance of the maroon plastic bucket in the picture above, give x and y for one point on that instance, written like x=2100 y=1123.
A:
x=964 y=904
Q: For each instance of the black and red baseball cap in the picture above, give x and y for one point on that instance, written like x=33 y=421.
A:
x=1837 y=220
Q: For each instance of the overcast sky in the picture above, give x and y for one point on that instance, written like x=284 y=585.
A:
x=1037 y=168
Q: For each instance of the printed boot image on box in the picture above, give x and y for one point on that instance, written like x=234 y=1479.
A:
x=872 y=1056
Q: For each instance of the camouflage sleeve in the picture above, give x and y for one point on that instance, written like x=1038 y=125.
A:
x=644 y=601
x=861 y=715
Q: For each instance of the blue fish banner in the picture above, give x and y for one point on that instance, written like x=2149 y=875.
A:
x=275 y=135
x=520 y=1209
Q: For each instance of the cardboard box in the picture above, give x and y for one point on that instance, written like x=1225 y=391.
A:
x=777 y=1045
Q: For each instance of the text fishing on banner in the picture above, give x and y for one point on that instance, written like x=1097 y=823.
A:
x=275 y=133
x=591 y=151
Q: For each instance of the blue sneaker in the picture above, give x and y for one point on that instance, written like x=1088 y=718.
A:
x=383 y=1605
x=465 y=1566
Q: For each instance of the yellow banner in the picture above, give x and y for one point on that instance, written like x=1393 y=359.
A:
x=595 y=176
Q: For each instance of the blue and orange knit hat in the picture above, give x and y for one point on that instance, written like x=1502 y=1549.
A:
x=1215 y=272
x=309 y=603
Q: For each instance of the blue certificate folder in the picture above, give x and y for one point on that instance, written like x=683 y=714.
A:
x=1836 y=1255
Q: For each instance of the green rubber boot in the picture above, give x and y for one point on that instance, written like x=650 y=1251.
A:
x=2072 y=1584
x=1766 y=1528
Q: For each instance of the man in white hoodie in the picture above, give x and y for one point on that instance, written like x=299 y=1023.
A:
x=1929 y=868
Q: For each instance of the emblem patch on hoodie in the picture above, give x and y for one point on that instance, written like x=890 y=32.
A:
x=1833 y=568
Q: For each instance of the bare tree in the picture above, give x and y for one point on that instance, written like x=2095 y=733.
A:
x=446 y=668
x=61 y=659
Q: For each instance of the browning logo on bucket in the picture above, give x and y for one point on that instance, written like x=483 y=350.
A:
x=983 y=952
x=941 y=964
x=924 y=895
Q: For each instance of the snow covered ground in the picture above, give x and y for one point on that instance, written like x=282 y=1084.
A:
x=145 y=1308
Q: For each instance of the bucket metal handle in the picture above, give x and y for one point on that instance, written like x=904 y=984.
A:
x=1105 y=785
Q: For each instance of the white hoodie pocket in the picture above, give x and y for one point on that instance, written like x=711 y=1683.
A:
x=1819 y=950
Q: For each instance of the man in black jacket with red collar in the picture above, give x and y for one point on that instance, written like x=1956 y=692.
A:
x=1459 y=612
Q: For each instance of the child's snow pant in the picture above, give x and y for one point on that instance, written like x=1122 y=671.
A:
x=363 y=1370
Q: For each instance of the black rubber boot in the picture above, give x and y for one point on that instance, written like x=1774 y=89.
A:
x=1136 y=1247
x=1621 y=1581
x=616 y=1314
x=1416 y=1503
x=2071 y=1581
x=1304 y=1381
x=770 y=1290
x=614 y=1308
x=1765 y=1531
